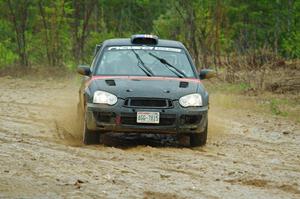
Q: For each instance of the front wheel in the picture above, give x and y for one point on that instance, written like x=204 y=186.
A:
x=89 y=136
x=199 y=139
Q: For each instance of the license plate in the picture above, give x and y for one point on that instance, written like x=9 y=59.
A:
x=147 y=117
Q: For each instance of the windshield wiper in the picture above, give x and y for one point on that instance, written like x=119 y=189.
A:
x=145 y=69
x=175 y=70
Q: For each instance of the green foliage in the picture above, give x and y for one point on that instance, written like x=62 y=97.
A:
x=7 y=56
x=63 y=32
x=291 y=45
x=169 y=25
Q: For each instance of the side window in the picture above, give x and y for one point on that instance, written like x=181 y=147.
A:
x=97 y=48
x=92 y=65
x=96 y=53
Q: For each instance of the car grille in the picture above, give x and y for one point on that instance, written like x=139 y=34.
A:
x=164 y=120
x=148 y=103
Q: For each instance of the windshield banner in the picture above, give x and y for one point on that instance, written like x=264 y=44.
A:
x=178 y=50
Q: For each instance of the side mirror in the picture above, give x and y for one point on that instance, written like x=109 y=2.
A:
x=207 y=74
x=84 y=70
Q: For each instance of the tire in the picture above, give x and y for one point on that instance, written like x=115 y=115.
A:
x=89 y=136
x=199 y=139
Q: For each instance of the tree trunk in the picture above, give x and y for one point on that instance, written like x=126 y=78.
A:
x=80 y=33
x=46 y=28
x=218 y=19
x=20 y=25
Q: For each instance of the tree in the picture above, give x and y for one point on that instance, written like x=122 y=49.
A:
x=64 y=32
x=81 y=17
x=54 y=29
x=18 y=15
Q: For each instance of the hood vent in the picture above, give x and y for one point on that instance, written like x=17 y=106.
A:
x=183 y=84
x=110 y=82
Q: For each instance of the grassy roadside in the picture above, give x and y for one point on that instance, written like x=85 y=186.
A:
x=240 y=97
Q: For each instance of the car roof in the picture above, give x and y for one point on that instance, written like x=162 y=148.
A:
x=127 y=42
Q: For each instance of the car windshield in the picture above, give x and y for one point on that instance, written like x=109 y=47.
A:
x=144 y=61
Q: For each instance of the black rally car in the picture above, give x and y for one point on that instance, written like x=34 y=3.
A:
x=143 y=84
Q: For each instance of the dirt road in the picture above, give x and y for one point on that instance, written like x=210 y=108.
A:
x=248 y=155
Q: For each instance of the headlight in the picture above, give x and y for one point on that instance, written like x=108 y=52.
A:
x=102 y=97
x=191 y=100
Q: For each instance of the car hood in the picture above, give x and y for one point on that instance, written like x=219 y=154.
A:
x=154 y=87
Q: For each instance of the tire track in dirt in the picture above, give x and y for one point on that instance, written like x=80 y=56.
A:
x=40 y=146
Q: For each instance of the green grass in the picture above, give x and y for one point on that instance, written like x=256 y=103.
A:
x=275 y=105
x=237 y=96
x=231 y=88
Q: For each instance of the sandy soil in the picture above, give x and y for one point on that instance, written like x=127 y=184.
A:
x=248 y=155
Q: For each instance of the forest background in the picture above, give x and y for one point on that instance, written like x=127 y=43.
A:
x=242 y=39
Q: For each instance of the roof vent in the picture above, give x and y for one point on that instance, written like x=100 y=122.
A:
x=144 y=39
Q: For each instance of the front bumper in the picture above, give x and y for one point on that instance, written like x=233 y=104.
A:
x=118 y=118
